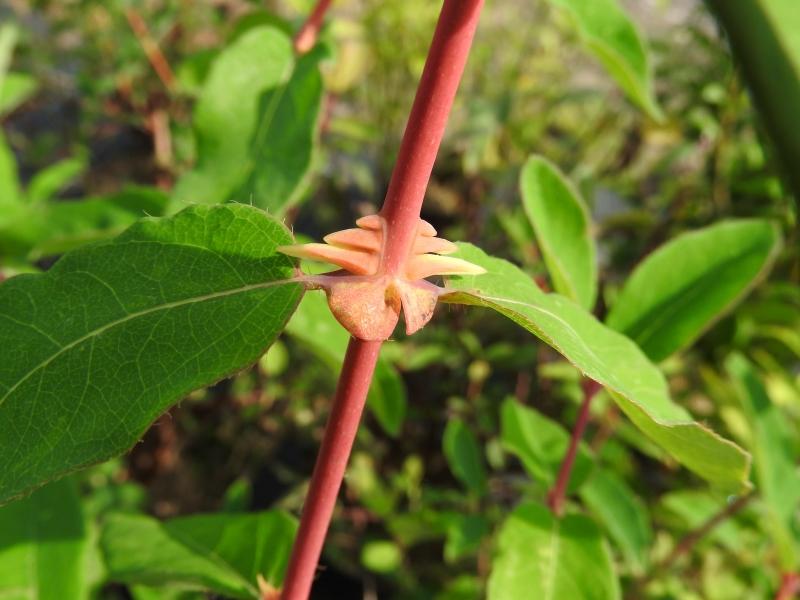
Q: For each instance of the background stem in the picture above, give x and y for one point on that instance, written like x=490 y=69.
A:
x=557 y=495
x=307 y=36
x=401 y=209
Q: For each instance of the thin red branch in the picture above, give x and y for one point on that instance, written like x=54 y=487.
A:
x=307 y=36
x=423 y=135
x=340 y=432
x=790 y=587
x=151 y=49
x=557 y=495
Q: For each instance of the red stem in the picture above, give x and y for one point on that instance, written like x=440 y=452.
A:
x=437 y=88
x=348 y=404
x=421 y=140
x=557 y=495
x=307 y=36
x=790 y=587
x=151 y=49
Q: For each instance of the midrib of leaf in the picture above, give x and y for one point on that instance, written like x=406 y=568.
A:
x=552 y=562
x=177 y=303
x=211 y=555
x=687 y=294
x=269 y=114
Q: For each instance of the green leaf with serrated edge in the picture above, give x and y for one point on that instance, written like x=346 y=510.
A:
x=222 y=553
x=614 y=40
x=611 y=359
x=765 y=38
x=315 y=327
x=540 y=443
x=542 y=557
x=43 y=545
x=263 y=155
x=464 y=456
x=562 y=224
x=621 y=513
x=776 y=472
x=682 y=288
x=282 y=149
x=116 y=332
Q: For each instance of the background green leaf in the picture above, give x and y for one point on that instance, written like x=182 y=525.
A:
x=611 y=359
x=613 y=38
x=562 y=224
x=682 y=288
x=546 y=558
x=116 y=332
x=464 y=456
x=222 y=553
x=43 y=545
x=540 y=443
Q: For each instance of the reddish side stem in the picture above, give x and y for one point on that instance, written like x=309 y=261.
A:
x=307 y=36
x=425 y=128
x=151 y=49
x=790 y=587
x=340 y=432
x=421 y=140
x=557 y=495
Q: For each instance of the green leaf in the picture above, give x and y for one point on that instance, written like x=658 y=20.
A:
x=464 y=456
x=10 y=193
x=50 y=180
x=611 y=359
x=315 y=326
x=261 y=156
x=540 y=443
x=614 y=40
x=222 y=553
x=15 y=89
x=561 y=222
x=682 y=288
x=546 y=558
x=464 y=534
x=776 y=472
x=43 y=545
x=381 y=556
x=621 y=513
x=116 y=332
x=765 y=38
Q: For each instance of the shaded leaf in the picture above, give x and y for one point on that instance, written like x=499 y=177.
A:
x=611 y=359
x=622 y=513
x=562 y=224
x=776 y=472
x=10 y=193
x=464 y=456
x=43 y=545
x=52 y=179
x=682 y=288
x=765 y=38
x=613 y=38
x=540 y=443
x=221 y=553
x=116 y=332
x=546 y=558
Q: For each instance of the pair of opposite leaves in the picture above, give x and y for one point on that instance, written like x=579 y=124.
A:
x=366 y=299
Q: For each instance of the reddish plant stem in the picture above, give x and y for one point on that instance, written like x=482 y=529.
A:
x=157 y=59
x=557 y=495
x=425 y=128
x=790 y=587
x=421 y=140
x=307 y=36
x=340 y=432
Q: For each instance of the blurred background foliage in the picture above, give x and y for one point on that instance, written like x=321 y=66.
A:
x=443 y=456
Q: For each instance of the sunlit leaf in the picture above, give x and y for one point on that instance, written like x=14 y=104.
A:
x=611 y=359
x=682 y=288
x=116 y=332
x=562 y=224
